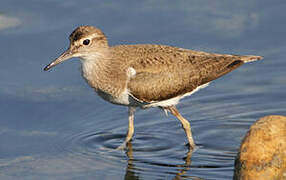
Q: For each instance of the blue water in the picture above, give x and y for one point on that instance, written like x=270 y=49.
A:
x=53 y=126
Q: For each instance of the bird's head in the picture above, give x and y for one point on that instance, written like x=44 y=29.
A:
x=85 y=41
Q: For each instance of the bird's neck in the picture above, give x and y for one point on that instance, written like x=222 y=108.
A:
x=104 y=73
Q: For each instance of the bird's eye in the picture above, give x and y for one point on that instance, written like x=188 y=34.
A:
x=86 y=42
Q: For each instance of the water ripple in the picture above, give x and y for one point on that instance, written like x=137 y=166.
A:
x=158 y=148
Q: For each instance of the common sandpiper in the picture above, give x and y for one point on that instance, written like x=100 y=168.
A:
x=145 y=75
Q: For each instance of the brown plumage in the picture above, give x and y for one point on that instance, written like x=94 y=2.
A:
x=164 y=72
x=145 y=75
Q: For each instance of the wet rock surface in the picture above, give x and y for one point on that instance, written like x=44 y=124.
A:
x=262 y=154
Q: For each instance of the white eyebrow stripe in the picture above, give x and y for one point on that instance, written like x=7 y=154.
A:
x=92 y=36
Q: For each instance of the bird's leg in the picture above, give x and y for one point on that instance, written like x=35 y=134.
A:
x=131 y=111
x=185 y=124
x=130 y=132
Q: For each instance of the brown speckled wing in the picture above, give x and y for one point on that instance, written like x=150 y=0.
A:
x=164 y=72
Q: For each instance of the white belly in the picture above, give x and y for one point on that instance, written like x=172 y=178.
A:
x=174 y=100
x=128 y=100
x=124 y=99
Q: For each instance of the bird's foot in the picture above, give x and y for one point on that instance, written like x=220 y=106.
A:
x=192 y=147
x=122 y=147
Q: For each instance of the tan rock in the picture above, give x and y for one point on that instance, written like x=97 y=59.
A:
x=262 y=154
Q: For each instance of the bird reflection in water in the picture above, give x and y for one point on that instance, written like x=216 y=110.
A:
x=133 y=174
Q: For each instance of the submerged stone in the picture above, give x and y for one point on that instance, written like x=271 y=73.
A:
x=262 y=154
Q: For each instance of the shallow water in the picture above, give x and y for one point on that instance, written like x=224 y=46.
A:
x=53 y=126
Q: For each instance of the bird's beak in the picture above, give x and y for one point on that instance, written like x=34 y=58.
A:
x=63 y=57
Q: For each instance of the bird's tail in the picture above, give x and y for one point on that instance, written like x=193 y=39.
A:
x=250 y=58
